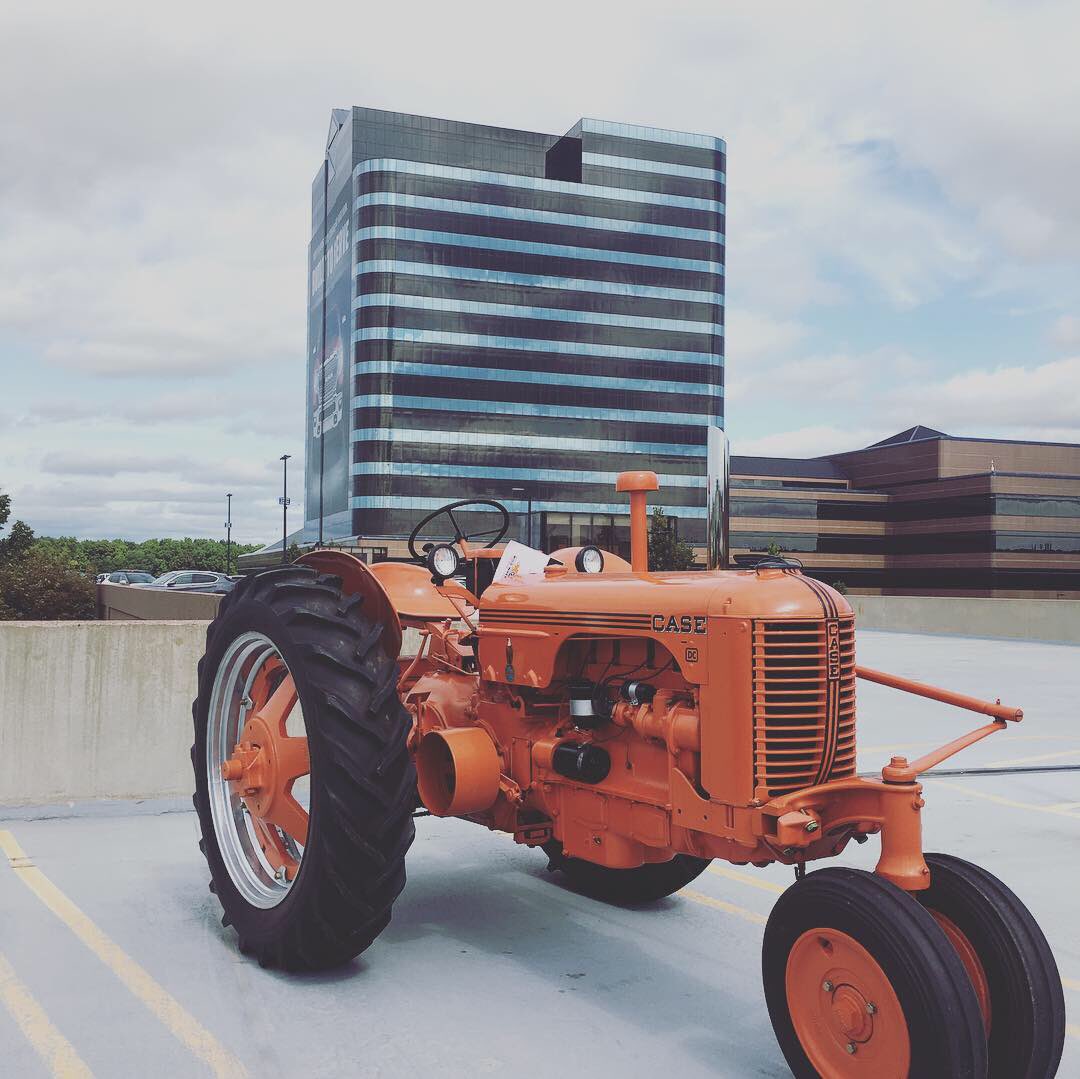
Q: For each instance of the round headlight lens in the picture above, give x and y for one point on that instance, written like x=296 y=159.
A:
x=590 y=560
x=443 y=560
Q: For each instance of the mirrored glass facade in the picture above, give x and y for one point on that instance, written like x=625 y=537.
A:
x=530 y=315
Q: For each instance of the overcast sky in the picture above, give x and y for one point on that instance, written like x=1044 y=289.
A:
x=903 y=218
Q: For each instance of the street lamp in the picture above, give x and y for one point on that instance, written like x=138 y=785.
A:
x=527 y=495
x=284 y=503
x=228 y=533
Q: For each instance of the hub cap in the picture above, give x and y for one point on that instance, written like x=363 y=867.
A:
x=257 y=758
x=843 y=1008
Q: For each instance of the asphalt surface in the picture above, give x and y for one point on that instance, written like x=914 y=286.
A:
x=113 y=961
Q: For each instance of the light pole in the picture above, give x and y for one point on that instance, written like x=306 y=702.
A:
x=527 y=495
x=284 y=500
x=228 y=533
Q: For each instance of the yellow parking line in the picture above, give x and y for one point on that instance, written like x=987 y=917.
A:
x=1073 y=1029
x=746 y=878
x=727 y=908
x=998 y=799
x=1071 y=983
x=54 y=1049
x=184 y=1026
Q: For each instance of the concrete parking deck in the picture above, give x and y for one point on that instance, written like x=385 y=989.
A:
x=113 y=961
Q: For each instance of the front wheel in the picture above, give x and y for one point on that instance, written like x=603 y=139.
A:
x=1009 y=962
x=860 y=981
x=304 y=785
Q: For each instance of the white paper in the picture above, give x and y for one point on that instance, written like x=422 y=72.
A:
x=518 y=560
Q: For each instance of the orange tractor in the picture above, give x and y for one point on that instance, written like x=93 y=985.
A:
x=633 y=725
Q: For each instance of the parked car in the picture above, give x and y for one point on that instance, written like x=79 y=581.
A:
x=191 y=580
x=125 y=576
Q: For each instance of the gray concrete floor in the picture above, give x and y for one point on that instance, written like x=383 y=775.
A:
x=489 y=966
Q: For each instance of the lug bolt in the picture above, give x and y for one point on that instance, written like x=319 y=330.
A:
x=871 y=1008
x=280 y=875
x=812 y=826
x=850 y=1047
x=827 y=986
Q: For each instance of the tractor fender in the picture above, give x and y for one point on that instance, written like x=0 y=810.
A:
x=358 y=579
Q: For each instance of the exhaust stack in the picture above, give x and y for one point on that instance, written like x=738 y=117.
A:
x=717 y=502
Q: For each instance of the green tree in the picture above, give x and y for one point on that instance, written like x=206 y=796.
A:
x=666 y=550
x=19 y=540
x=42 y=585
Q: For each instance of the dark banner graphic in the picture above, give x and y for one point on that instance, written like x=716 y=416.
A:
x=328 y=389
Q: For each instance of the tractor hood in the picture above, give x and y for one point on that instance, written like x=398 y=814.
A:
x=650 y=600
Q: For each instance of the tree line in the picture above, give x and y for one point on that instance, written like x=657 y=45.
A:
x=52 y=577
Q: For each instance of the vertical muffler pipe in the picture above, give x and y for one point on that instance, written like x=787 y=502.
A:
x=718 y=508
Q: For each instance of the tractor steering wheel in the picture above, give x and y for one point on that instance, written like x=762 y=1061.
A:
x=496 y=533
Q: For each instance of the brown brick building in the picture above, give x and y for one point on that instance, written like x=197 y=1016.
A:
x=922 y=513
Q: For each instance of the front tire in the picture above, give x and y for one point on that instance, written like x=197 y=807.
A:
x=313 y=902
x=861 y=981
x=1009 y=962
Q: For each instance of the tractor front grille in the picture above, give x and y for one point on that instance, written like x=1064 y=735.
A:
x=804 y=703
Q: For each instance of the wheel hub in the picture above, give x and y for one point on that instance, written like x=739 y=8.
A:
x=851 y=1014
x=844 y=1009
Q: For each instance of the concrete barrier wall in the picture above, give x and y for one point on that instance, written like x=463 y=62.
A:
x=93 y=710
x=96 y=709
x=121 y=601
x=1027 y=619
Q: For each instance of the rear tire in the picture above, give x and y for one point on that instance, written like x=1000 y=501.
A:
x=362 y=781
x=629 y=887
x=1012 y=962
x=861 y=981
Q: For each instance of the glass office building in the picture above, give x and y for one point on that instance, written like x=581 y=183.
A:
x=521 y=316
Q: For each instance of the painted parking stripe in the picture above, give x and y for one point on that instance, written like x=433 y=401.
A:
x=997 y=799
x=720 y=904
x=747 y=879
x=181 y=1023
x=55 y=1050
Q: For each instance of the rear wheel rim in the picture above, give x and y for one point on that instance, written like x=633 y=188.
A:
x=256 y=759
x=844 y=1009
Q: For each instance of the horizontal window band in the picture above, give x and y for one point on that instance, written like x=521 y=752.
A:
x=473 y=416
x=397 y=502
x=519 y=213
x=512 y=456
x=528 y=344
x=523 y=399
x=538 y=232
x=571 y=334
x=509 y=179
x=440 y=187
x=664 y=168
x=597 y=142
x=555 y=314
x=463 y=291
x=498 y=243
x=392 y=468
x=653 y=134
x=466 y=439
x=543 y=367
x=528 y=280
x=526 y=408
x=546 y=265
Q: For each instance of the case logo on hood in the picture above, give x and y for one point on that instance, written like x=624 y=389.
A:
x=679 y=623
